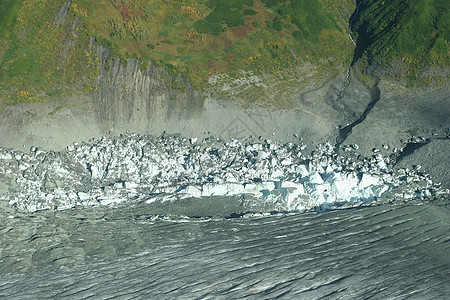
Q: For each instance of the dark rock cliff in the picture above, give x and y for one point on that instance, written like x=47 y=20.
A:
x=127 y=97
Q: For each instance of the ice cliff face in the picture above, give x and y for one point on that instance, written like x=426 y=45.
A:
x=264 y=175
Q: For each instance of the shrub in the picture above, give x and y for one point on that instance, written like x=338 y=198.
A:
x=203 y=26
x=270 y=3
x=221 y=14
x=250 y=12
x=238 y=4
x=248 y=2
x=298 y=35
x=277 y=24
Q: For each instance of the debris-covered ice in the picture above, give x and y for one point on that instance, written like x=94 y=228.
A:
x=107 y=171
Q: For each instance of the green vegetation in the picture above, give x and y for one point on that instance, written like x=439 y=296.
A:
x=414 y=33
x=310 y=17
x=199 y=38
x=250 y=12
x=35 y=56
x=194 y=37
x=8 y=17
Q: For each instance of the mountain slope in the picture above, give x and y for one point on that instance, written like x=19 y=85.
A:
x=47 y=48
x=46 y=45
x=413 y=34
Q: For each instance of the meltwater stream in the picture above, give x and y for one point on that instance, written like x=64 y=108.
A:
x=143 y=217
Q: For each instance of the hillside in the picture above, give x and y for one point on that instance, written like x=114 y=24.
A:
x=43 y=48
x=46 y=46
x=410 y=36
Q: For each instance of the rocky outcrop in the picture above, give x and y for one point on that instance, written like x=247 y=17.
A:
x=127 y=97
x=62 y=13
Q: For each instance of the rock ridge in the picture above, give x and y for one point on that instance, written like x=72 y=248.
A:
x=127 y=97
